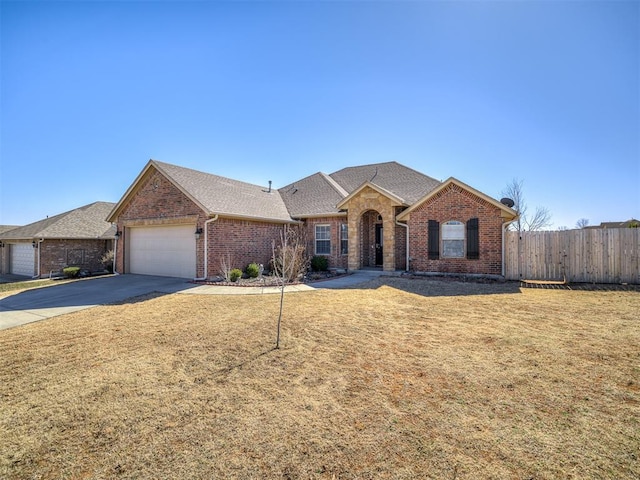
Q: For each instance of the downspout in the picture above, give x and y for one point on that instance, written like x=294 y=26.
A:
x=115 y=252
x=206 y=246
x=406 y=226
x=504 y=231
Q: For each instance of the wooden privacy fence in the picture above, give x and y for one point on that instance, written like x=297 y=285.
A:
x=603 y=255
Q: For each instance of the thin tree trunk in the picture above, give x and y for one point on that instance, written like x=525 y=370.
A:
x=280 y=315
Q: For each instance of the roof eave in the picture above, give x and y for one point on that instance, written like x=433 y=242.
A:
x=393 y=197
x=321 y=215
x=255 y=218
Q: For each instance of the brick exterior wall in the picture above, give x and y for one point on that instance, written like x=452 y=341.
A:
x=241 y=242
x=58 y=254
x=456 y=203
x=336 y=259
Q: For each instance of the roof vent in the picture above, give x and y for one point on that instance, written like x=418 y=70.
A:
x=269 y=186
x=508 y=202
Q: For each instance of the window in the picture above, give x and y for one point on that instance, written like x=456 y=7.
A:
x=453 y=234
x=323 y=240
x=344 y=239
x=453 y=239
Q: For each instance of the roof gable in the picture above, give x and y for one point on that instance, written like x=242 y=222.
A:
x=506 y=211
x=393 y=177
x=87 y=222
x=215 y=194
x=396 y=201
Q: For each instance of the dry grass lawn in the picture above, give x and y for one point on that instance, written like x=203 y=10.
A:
x=402 y=379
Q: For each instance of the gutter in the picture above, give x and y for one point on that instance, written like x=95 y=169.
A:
x=206 y=246
x=504 y=231
x=406 y=226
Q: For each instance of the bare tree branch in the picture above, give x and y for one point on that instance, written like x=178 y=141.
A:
x=541 y=217
x=583 y=222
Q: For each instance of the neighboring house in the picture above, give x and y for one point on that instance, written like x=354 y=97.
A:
x=6 y=228
x=77 y=238
x=632 y=223
x=180 y=222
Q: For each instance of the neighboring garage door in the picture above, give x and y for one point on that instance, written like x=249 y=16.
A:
x=168 y=251
x=22 y=259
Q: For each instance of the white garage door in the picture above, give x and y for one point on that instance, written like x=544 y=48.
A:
x=168 y=251
x=22 y=259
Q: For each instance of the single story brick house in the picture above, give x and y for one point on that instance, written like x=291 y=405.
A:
x=77 y=238
x=175 y=221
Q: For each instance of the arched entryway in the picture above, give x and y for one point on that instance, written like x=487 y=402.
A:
x=371 y=214
x=371 y=239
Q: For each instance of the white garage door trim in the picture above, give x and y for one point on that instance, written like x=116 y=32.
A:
x=22 y=259
x=167 y=251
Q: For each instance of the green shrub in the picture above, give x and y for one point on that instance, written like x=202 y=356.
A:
x=71 y=272
x=235 y=274
x=319 y=263
x=252 y=270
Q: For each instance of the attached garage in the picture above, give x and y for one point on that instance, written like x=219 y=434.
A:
x=167 y=250
x=22 y=259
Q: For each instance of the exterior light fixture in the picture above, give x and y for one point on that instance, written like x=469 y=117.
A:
x=198 y=233
x=34 y=244
x=118 y=234
x=1 y=244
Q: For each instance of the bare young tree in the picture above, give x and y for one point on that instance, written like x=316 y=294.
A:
x=289 y=263
x=583 y=222
x=226 y=265
x=541 y=217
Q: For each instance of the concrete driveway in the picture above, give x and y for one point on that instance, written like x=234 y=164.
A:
x=41 y=303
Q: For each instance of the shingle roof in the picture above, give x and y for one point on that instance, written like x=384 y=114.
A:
x=402 y=181
x=6 y=228
x=87 y=222
x=224 y=196
x=319 y=194
x=315 y=195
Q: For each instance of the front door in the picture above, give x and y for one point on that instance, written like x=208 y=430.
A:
x=379 y=245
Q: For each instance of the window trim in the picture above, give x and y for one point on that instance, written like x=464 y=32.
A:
x=316 y=239
x=463 y=230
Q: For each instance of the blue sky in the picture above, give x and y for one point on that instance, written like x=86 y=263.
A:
x=547 y=92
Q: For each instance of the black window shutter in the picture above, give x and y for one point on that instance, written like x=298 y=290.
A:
x=433 y=238
x=473 y=239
